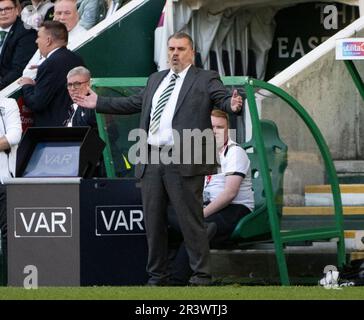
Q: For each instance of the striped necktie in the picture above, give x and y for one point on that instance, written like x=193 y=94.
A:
x=2 y=37
x=162 y=101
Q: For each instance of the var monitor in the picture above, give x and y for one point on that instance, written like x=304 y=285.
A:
x=59 y=152
x=58 y=159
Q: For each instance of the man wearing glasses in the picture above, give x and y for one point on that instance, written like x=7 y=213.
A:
x=78 y=83
x=47 y=97
x=17 y=44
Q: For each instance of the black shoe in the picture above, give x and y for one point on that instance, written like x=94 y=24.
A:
x=177 y=283
x=157 y=283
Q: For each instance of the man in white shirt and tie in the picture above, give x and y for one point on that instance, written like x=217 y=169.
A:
x=179 y=103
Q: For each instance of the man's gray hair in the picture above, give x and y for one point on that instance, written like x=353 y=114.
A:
x=79 y=71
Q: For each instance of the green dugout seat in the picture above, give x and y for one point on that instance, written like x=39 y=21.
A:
x=256 y=224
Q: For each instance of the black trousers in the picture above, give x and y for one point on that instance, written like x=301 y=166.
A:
x=219 y=225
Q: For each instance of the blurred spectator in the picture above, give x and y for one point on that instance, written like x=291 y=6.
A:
x=36 y=12
x=91 y=12
x=65 y=11
x=78 y=83
x=17 y=44
x=47 y=97
x=112 y=6
x=23 y=3
x=10 y=134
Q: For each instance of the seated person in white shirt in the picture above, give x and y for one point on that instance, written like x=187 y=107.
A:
x=10 y=135
x=65 y=11
x=78 y=83
x=36 y=12
x=228 y=196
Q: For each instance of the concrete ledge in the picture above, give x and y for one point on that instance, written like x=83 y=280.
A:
x=349 y=166
x=252 y=266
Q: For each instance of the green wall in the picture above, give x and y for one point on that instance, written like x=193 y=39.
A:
x=127 y=48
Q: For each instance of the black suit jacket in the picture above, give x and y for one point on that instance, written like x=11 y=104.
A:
x=84 y=118
x=18 y=48
x=201 y=91
x=48 y=99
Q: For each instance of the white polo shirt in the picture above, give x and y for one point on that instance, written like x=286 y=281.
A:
x=234 y=161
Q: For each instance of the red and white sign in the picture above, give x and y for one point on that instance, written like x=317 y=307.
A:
x=26 y=114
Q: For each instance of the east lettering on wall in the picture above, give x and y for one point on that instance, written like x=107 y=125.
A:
x=302 y=28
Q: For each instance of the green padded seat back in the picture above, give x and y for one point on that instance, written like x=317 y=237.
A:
x=257 y=222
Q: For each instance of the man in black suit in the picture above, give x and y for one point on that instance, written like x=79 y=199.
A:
x=174 y=101
x=47 y=97
x=17 y=44
x=78 y=83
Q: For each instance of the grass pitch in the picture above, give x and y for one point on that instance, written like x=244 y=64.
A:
x=184 y=293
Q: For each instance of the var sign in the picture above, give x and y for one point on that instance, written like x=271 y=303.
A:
x=43 y=222
x=119 y=220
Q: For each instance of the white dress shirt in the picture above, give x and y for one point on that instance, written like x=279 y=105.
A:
x=164 y=136
x=53 y=51
x=33 y=14
x=70 y=119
